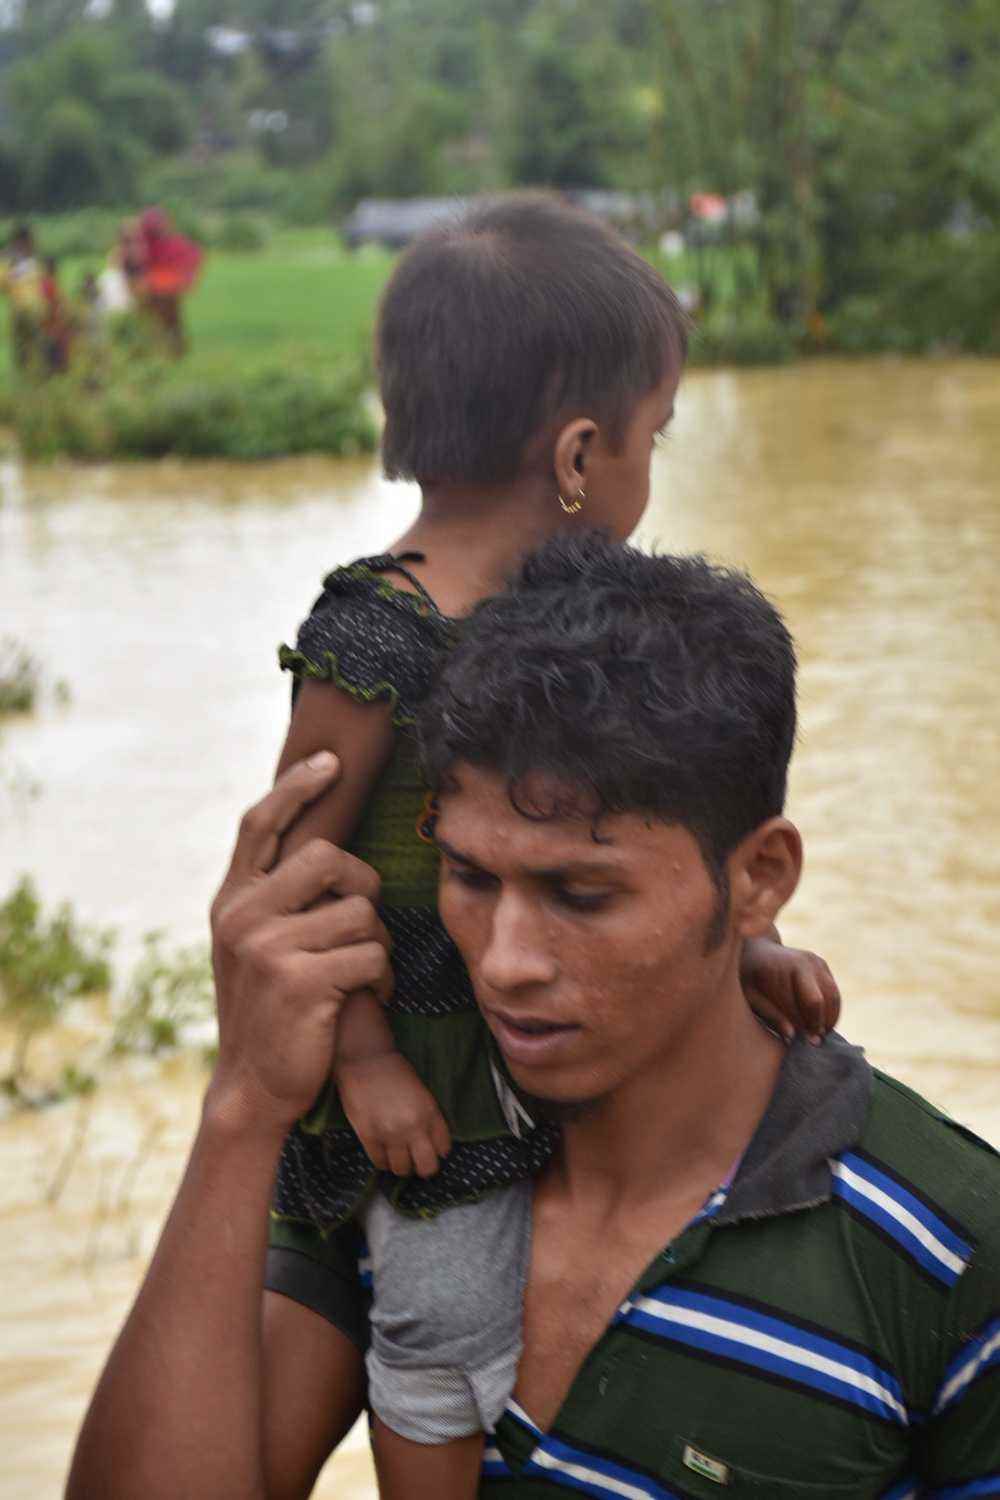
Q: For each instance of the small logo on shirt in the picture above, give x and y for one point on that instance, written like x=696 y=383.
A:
x=711 y=1468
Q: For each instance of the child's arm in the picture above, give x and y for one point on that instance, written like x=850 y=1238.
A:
x=396 y=1118
x=792 y=989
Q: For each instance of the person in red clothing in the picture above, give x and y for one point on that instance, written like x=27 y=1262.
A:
x=170 y=266
x=57 y=333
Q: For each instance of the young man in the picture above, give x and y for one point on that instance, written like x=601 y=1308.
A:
x=752 y=1266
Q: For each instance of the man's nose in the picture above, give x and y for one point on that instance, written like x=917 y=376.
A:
x=517 y=955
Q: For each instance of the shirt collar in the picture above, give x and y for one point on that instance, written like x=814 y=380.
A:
x=818 y=1109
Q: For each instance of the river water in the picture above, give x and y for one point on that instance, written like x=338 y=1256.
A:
x=863 y=497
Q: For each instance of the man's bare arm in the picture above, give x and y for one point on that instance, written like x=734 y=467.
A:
x=179 y=1409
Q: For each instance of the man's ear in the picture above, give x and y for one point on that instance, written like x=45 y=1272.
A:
x=764 y=870
x=569 y=456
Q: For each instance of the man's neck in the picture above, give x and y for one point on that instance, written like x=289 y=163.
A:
x=674 y=1133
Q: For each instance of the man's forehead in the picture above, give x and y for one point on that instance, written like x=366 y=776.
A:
x=545 y=819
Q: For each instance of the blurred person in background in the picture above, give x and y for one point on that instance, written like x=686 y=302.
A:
x=57 y=327
x=164 y=272
x=21 y=282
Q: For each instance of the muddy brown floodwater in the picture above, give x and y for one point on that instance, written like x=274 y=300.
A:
x=863 y=497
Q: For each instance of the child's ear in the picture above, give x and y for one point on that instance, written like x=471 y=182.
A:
x=569 y=456
x=764 y=871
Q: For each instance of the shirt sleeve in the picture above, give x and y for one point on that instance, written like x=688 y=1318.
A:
x=961 y=1440
x=371 y=640
x=328 y=1273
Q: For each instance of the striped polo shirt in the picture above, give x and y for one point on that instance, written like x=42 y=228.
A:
x=828 y=1327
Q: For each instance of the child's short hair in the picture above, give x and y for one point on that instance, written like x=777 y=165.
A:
x=494 y=324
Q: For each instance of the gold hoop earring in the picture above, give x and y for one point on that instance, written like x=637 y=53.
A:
x=574 y=505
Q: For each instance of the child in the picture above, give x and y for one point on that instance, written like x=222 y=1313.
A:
x=528 y=359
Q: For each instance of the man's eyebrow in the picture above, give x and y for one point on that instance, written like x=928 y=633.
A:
x=570 y=869
x=455 y=855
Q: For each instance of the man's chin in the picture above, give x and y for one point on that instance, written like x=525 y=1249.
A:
x=559 y=1111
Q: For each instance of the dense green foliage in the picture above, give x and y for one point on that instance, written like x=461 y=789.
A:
x=863 y=136
x=148 y=409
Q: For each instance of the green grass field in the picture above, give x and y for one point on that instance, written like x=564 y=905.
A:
x=303 y=297
x=278 y=363
x=304 y=291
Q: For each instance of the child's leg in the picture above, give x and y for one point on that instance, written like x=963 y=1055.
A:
x=446 y=1338
x=426 y=1471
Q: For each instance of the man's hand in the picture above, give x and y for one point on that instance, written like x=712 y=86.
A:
x=286 y=956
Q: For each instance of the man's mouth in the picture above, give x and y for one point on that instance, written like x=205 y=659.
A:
x=529 y=1039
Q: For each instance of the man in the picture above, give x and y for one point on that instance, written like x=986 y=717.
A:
x=753 y=1266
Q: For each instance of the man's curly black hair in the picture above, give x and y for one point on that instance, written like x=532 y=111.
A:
x=660 y=685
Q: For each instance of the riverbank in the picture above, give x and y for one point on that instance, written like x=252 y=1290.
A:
x=280 y=360
x=279 y=364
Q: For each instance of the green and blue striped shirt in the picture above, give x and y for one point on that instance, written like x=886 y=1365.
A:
x=828 y=1328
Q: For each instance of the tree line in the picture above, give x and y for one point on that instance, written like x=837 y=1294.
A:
x=865 y=132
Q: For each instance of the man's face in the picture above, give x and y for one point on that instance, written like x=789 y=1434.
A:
x=590 y=961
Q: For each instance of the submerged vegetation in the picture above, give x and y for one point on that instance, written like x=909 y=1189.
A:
x=20 y=677
x=23 y=679
x=44 y=963
x=168 y=998
x=48 y=961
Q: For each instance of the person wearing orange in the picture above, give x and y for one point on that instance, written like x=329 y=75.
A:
x=170 y=264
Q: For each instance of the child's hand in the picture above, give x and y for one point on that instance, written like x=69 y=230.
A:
x=394 y=1116
x=791 y=989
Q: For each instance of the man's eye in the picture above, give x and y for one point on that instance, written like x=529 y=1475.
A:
x=581 y=900
x=473 y=880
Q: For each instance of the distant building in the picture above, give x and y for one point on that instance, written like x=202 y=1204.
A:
x=394 y=222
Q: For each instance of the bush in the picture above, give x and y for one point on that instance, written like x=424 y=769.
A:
x=20 y=678
x=152 y=410
x=166 y=996
x=44 y=962
x=240 y=233
x=89 y=232
x=11 y=175
x=68 y=163
x=754 y=340
x=931 y=291
x=150 y=108
x=239 y=183
x=47 y=961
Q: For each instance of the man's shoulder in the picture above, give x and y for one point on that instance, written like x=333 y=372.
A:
x=926 y=1172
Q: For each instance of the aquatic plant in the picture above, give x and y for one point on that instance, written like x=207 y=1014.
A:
x=167 y=995
x=20 y=677
x=44 y=963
